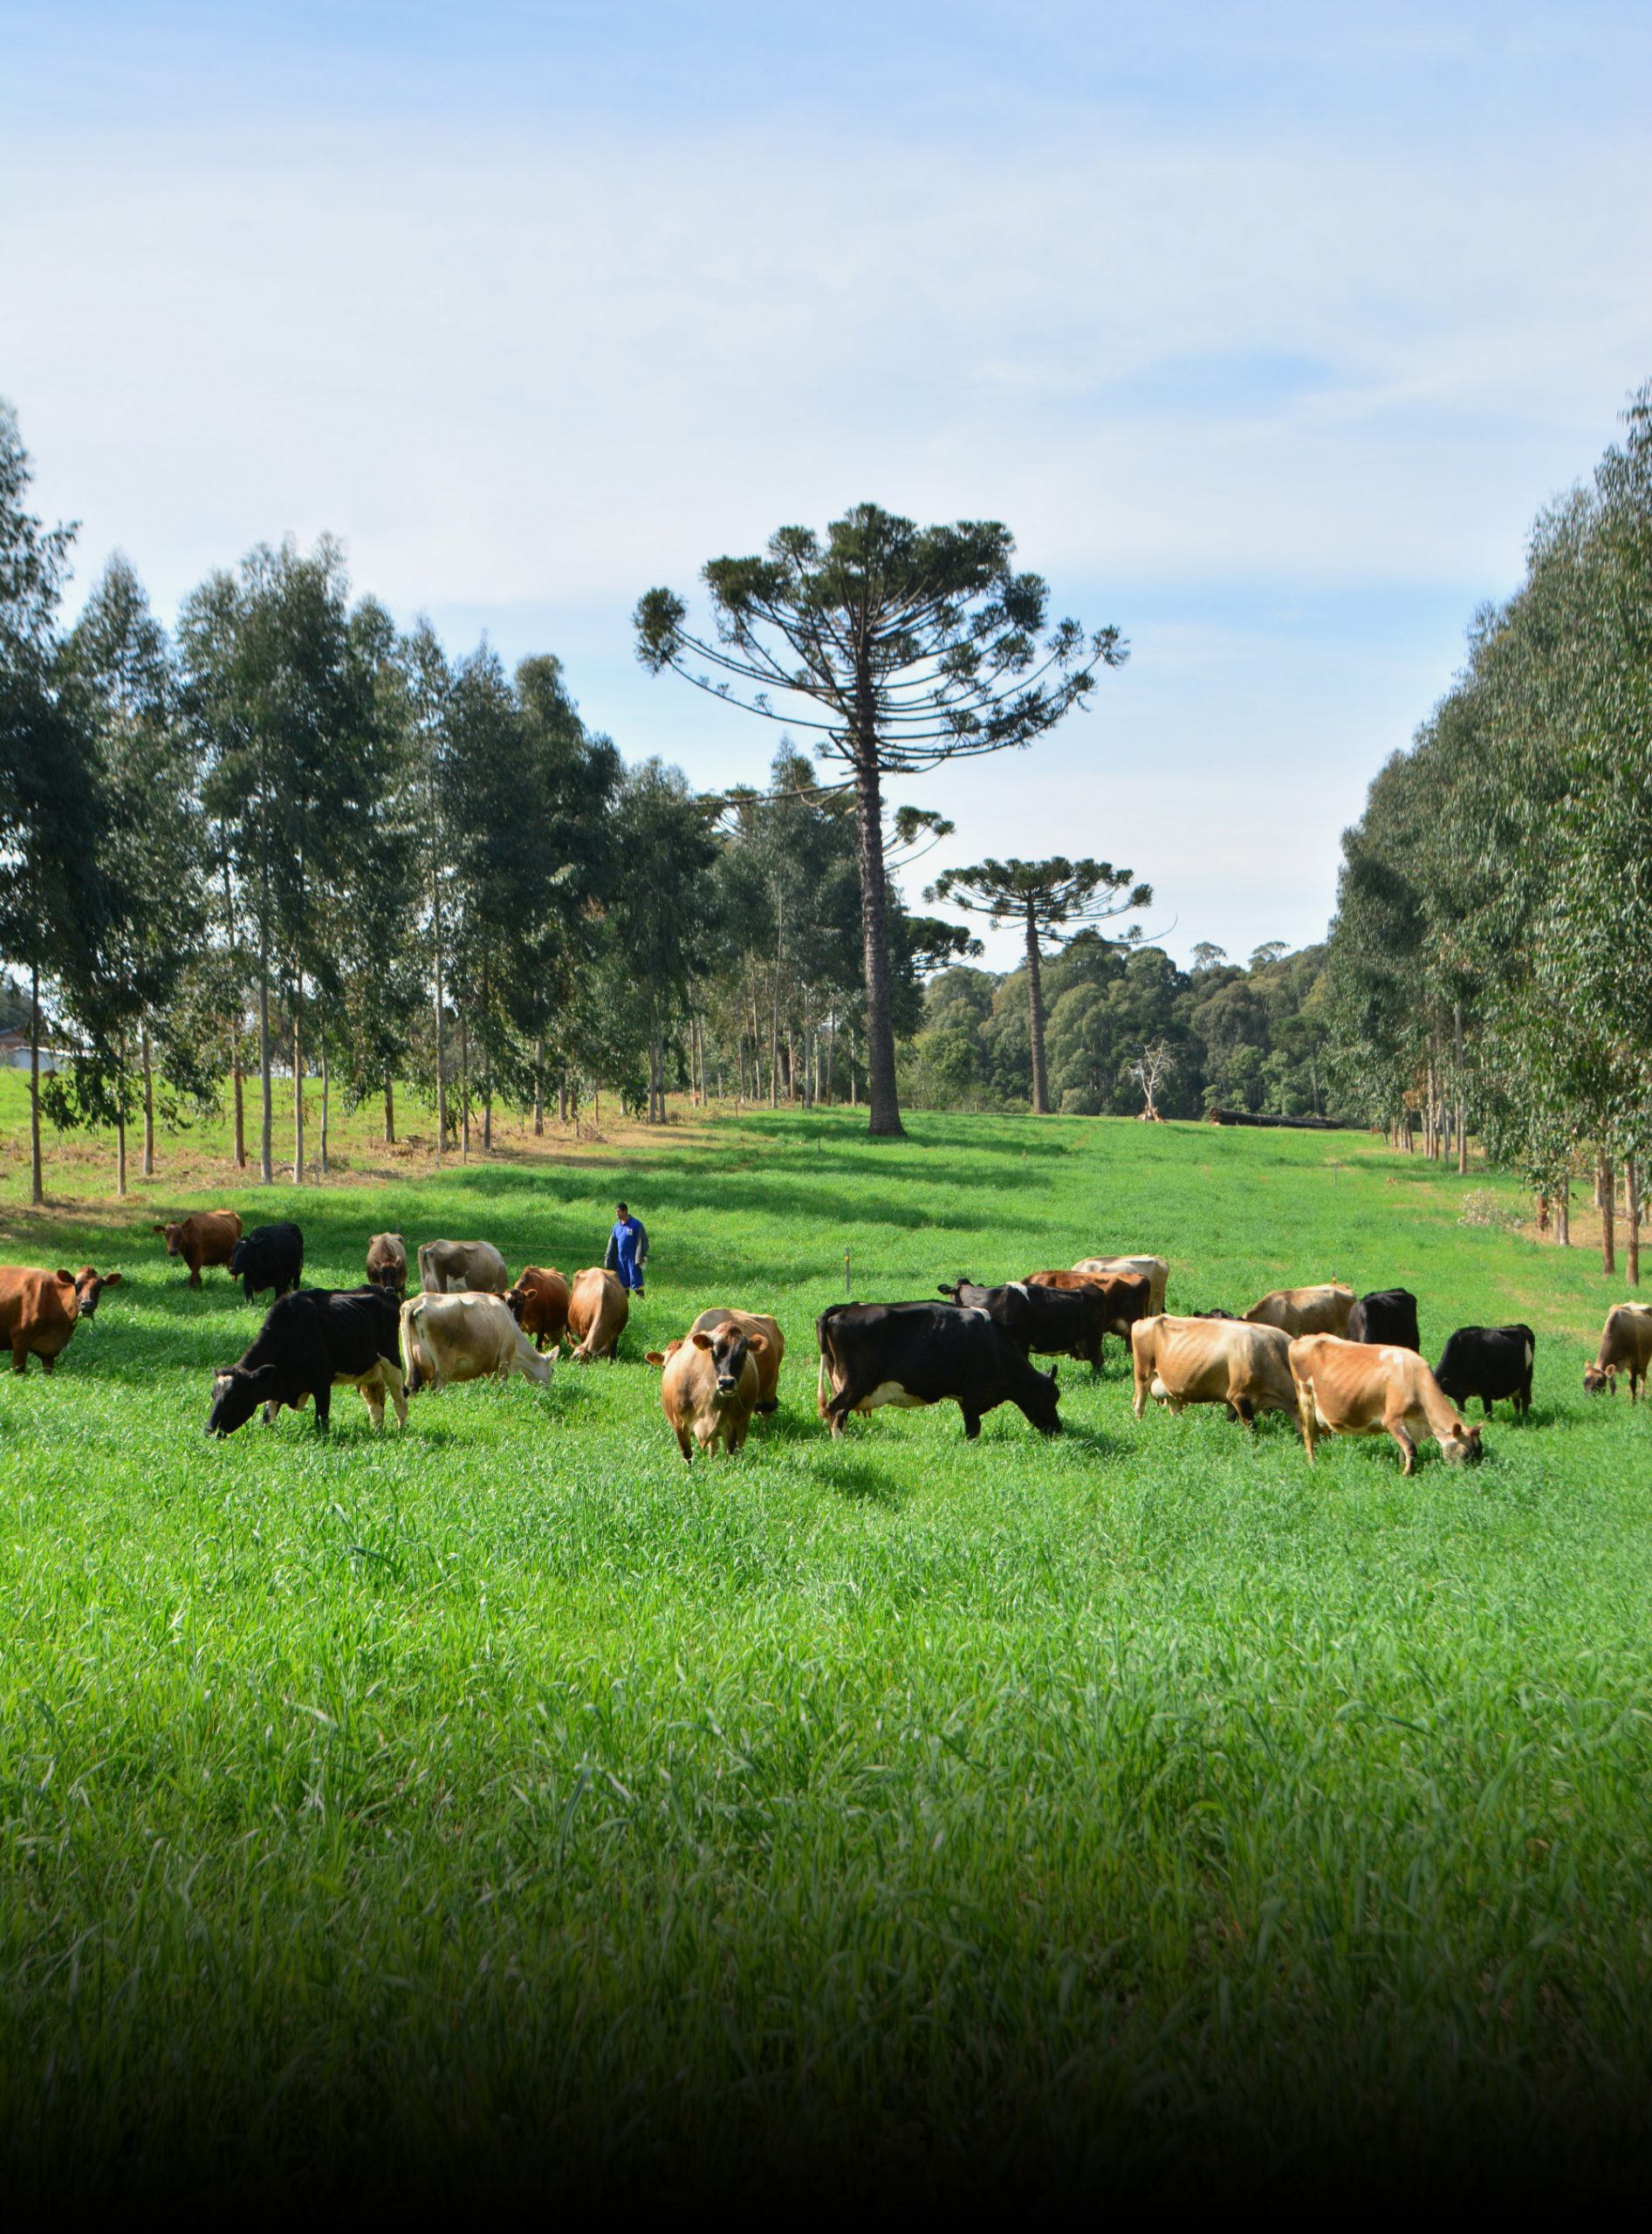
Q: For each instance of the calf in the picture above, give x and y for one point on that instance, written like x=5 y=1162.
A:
x=1386 y=1315
x=1304 y=1311
x=470 y=1337
x=462 y=1268
x=1488 y=1362
x=311 y=1342
x=1057 y=1322
x=1354 y=1388
x=39 y=1309
x=598 y=1310
x=388 y=1264
x=1153 y=1270
x=710 y=1385
x=915 y=1354
x=269 y=1257
x=1626 y=1346
x=204 y=1237
x=539 y=1305
x=1182 y=1361
x=768 y=1354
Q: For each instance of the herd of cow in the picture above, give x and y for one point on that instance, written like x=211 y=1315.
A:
x=1337 y=1363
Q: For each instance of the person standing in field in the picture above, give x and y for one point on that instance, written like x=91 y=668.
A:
x=628 y=1249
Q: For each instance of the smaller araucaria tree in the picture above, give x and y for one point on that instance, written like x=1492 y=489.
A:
x=1054 y=900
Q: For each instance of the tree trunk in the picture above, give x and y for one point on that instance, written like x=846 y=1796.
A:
x=562 y=1099
x=464 y=1089
x=37 y=1176
x=239 y=1087
x=1632 y=1217
x=441 y=1046
x=1605 y=1190
x=326 y=1098
x=538 y=1086
x=389 y=1110
x=1563 y=1214
x=120 y=1146
x=266 y=1144
x=149 y=1102
x=297 y=1091
x=1035 y=1020
x=883 y=1102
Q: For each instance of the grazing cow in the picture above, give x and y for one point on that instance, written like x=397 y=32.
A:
x=1182 y=1361
x=466 y=1337
x=1125 y=1296
x=462 y=1268
x=39 y=1309
x=1354 y=1388
x=204 y=1238
x=311 y=1342
x=915 y=1354
x=1626 y=1346
x=598 y=1310
x=1056 y=1322
x=768 y=1357
x=1385 y=1315
x=1488 y=1362
x=269 y=1257
x=388 y=1264
x=539 y=1305
x=711 y=1383
x=1153 y=1270
x=1304 y=1311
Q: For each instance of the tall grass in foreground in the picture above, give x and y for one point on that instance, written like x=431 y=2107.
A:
x=507 y=1803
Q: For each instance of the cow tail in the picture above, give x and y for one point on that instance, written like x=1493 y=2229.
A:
x=410 y=1347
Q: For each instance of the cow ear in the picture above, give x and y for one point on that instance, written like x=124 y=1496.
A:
x=112 y=1279
x=700 y=1342
x=61 y=1275
x=756 y=1341
x=653 y=1357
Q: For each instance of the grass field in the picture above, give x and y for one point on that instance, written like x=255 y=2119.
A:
x=504 y=1803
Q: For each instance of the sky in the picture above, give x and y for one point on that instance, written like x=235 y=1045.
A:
x=1266 y=329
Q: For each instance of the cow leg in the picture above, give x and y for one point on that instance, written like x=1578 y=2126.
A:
x=19 y=1355
x=1397 y=1427
x=324 y=1406
x=390 y=1371
x=972 y=1421
x=195 y=1276
x=685 y=1444
x=372 y=1397
x=1242 y=1409
x=47 y=1360
x=1305 y=1414
x=1637 y=1381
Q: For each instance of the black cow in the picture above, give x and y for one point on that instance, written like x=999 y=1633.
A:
x=1386 y=1315
x=1056 y=1322
x=307 y=1342
x=1488 y=1362
x=269 y=1257
x=915 y=1354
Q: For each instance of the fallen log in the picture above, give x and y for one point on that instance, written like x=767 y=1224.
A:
x=1263 y=1117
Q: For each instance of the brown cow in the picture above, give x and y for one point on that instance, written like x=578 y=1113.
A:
x=769 y=1356
x=1367 y=1389
x=1322 y=1310
x=539 y=1305
x=1126 y=1297
x=1153 y=1270
x=1182 y=1361
x=1626 y=1346
x=40 y=1310
x=202 y=1237
x=597 y=1309
x=710 y=1385
x=387 y=1263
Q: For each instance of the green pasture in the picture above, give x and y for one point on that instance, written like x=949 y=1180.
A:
x=504 y=1801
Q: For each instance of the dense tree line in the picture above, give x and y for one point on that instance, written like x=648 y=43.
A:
x=1487 y=964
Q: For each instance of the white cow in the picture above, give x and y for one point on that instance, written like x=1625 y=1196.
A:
x=466 y=1337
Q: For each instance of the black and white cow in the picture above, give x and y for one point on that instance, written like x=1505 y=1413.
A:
x=1488 y=1362
x=309 y=1344
x=269 y=1257
x=1386 y=1315
x=1056 y=1322
x=909 y=1354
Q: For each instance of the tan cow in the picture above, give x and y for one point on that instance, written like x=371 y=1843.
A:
x=598 y=1310
x=768 y=1354
x=465 y=1337
x=1322 y=1310
x=1370 y=1388
x=204 y=1238
x=711 y=1383
x=462 y=1268
x=540 y=1301
x=1182 y=1361
x=1153 y=1270
x=39 y=1309
x=387 y=1263
x=1626 y=1346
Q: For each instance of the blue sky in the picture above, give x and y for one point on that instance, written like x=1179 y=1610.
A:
x=1266 y=329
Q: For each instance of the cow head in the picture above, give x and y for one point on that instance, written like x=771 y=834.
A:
x=1041 y=1408
x=729 y=1350
x=1600 y=1380
x=88 y=1289
x=1461 y=1444
x=242 y=1260
x=517 y=1299
x=236 y=1394
x=173 y=1234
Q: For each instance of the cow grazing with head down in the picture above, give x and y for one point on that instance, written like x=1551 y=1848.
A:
x=1055 y=1322
x=539 y=1305
x=39 y=1309
x=269 y=1257
x=468 y=1337
x=311 y=1342
x=462 y=1268
x=1488 y=1362
x=711 y=1384
x=1356 y=1389
x=388 y=1264
x=909 y=1354
x=598 y=1310
x=1182 y=1361
x=1322 y=1310
x=1626 y=1346
x=204 y=1237
x=1386 y=1315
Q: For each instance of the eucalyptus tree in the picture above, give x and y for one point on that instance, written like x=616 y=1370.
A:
x=660 y=909
x=1051 y=900
x=896 y=649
